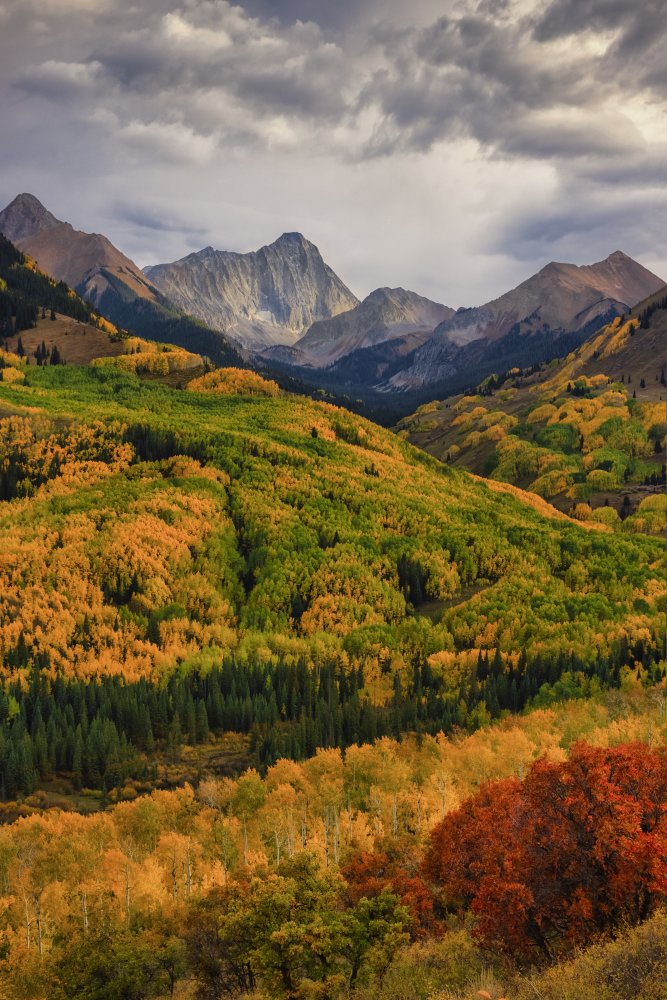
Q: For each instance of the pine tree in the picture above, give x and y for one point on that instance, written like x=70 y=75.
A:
x=202 y=723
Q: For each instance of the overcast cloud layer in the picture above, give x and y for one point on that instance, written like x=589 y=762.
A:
x=452 y=147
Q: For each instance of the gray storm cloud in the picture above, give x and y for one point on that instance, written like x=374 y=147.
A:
x=342 y=119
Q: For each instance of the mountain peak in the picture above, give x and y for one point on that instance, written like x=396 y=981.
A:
x=291 y=241
x=268 y=296
x=25 y=216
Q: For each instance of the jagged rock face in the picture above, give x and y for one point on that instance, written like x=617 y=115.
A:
x=385 y=314
x=79 y=259
x=266 y=297
x=561 y=298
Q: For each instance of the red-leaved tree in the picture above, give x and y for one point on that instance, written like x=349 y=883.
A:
x=574 y=850
x=369 y=874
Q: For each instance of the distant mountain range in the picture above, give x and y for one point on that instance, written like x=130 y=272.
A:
x=588 y=427
x=386 y=314
x=560 y=299
x=283 y=307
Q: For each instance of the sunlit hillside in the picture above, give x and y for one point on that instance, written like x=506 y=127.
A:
x=587 y=433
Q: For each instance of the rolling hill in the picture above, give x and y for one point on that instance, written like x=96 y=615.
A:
x=308 y=530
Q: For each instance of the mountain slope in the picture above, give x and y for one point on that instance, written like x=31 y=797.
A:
x=26 y=293
x=385 y=314
x=91 y=265
x=79 y=259
x=268 y=296
x=588 y=429
x=560 y=299
x=200 y=523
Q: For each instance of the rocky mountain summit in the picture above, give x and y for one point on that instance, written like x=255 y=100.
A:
x=269 y=296
x=87 y=262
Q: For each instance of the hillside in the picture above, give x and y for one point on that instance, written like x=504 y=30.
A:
x=99 y=273
x=269 y=296
x=302 y=678
x=43 y=322
x=588 y=429
x=181 y=891
x=151 y=533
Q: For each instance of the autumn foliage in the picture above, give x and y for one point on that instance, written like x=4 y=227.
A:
x=234 y=382
x=369 y=874
x=576 y=849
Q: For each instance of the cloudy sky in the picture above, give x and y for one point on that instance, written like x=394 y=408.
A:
x=451 y=147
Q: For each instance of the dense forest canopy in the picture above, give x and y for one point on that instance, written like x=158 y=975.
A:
x=149 y=529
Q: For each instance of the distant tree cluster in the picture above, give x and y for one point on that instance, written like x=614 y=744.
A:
x=653 y=307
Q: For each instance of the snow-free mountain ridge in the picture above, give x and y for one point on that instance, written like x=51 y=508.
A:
x=385 y=314
x=268 y=296
x=559 y=299
x=283 y=305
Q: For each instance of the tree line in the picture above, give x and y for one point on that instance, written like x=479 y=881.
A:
x=104 y=732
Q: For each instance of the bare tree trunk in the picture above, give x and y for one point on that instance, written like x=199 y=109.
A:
x=336 y=837
x=327 y=822
x=28 y=921
x=38 y=924
x=84 y=910
x=189 y=872
x=127 y=893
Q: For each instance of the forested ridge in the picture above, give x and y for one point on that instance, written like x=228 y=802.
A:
x=586 y=431
x=25 y=292
x=350 y=585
